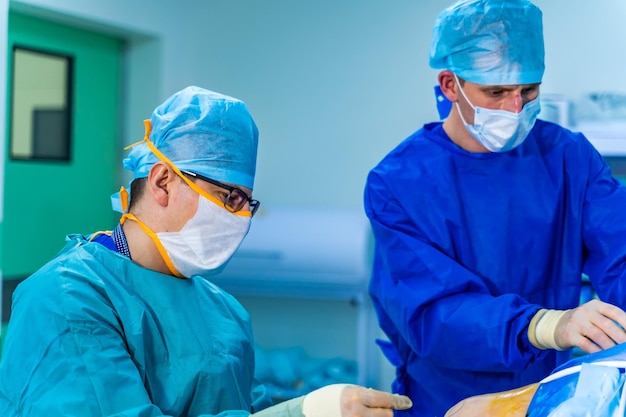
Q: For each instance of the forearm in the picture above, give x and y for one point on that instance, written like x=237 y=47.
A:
x=496 y=324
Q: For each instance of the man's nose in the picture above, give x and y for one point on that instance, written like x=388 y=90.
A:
x=515 y=103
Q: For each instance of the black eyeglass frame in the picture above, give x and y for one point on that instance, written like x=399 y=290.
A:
x=254 y=204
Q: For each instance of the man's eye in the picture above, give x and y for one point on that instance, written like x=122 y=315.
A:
x=222 y=195
x=235 y=199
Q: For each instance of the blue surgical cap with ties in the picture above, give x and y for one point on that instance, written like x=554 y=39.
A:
x=490 y=42
x=201 y=131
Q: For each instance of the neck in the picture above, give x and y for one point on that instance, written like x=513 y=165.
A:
x=142 y=249
x=456 y=131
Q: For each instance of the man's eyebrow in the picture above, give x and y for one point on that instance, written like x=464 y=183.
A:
x=507 y=87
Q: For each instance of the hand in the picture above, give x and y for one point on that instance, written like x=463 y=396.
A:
x=343 y=400
x=359 y=401
x=593 y=326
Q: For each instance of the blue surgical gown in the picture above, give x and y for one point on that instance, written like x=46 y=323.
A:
x=94 y=334
x=469 y=246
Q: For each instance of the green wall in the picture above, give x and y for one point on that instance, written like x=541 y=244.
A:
x=45 y=200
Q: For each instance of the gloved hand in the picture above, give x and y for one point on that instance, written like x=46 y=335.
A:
x=593 y=326
x=344 y=400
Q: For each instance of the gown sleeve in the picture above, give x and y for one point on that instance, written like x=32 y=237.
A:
x=432 y=301
x=70 y=358
x=289 y=408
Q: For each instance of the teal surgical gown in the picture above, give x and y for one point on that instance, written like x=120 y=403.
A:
x=469 y=246
x=94 y=334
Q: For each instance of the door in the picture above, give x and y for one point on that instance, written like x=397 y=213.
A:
x=46 y=198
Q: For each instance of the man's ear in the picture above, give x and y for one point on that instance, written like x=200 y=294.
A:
x=448 y=85
x=160 y=179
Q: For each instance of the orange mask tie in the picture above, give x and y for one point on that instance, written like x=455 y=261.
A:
x=163 y=158
x=157 y=242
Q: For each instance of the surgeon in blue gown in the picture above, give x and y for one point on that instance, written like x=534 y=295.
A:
x=127 y=322
x=484 y=224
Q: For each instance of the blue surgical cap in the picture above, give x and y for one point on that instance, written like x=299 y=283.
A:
x=490 y=42
x=204 y=132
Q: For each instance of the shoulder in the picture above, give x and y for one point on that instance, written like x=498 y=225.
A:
x=413 y=152
x=420 y=141
x=551 y=136
x=565 y=148
x=75 y=276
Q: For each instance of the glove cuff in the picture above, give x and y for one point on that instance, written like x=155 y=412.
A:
x=542 y=329
x=323 y=402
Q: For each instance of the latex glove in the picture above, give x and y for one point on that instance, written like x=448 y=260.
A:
x=593 y=326
x=513 y=403
x=344 y=400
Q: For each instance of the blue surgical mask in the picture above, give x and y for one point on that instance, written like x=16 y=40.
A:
x=500 y=130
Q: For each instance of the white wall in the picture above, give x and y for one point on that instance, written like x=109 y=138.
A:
x=585 y=44
x=332 y=85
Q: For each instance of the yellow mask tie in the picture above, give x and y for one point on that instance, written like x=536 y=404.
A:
x=178 y=172
x=157 y=242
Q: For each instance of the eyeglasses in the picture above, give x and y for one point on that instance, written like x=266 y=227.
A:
x=236 y=198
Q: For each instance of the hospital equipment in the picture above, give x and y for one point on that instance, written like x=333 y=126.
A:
x=606 y=132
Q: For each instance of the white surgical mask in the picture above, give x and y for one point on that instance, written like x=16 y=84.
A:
x=207 y=241
x=500 y=130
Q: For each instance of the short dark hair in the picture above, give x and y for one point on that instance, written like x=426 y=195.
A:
x=137 y=187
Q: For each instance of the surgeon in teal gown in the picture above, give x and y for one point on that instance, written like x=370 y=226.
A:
x=485 y=223
x=127 y=322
